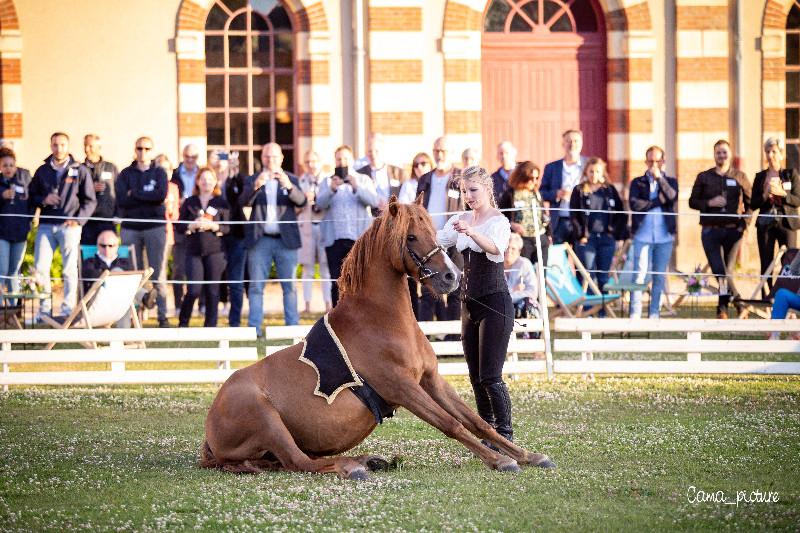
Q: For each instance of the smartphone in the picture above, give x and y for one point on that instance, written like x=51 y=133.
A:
x=341 y=172
x=223 y=156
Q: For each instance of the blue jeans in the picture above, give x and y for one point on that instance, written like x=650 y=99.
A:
x=68 y=238
x=11 y=254
x=259 y=263
x=597 y=254
x=784 y=300
x=650 y=257
x=236 y=255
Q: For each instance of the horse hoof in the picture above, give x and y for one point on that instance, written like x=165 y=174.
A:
x=512 y=467
x=377 y=464
x=546 y=463
x=358 y=475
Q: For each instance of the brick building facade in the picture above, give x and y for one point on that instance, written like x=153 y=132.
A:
x=680 y=73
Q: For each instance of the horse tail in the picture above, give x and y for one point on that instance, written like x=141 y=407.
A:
x=207 y=459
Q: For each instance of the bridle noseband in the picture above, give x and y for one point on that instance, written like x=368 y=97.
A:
x=424 y=272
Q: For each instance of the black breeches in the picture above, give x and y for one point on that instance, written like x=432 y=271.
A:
x=486 y=325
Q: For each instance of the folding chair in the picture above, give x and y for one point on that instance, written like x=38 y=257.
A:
x=566 y=291
x=762 y=306
x=623 y=274
x=105 y=303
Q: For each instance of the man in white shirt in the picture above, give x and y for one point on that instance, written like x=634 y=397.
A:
x=441 y=195
x=558 y=180
x=387 y=178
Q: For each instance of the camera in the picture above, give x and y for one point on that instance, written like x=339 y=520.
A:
x=341 y=172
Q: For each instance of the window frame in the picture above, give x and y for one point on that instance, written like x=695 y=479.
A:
x=252 y=145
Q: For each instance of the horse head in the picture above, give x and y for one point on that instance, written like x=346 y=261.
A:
x=421 y=257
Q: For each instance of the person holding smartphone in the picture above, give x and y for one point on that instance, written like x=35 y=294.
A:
x=272 y=197
x=203 y=216
x=348 y=198
x=722 y=195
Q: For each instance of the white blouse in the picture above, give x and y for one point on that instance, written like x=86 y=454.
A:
x=497 y=229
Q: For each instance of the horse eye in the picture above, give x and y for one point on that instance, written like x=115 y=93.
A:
x=411 y=238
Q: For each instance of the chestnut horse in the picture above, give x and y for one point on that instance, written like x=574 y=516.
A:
x=267 y=417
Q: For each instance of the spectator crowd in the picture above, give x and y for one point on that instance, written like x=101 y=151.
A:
x=229 y=230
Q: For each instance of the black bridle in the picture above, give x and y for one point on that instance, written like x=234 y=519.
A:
x=424 y=272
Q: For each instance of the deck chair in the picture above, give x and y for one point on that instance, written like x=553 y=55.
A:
x=566 y=291
x=105 y=303
x=762 y=306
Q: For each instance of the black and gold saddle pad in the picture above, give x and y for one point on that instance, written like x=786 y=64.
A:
x=326 y=355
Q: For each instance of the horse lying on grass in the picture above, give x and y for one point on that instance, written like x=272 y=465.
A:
x=268 y=415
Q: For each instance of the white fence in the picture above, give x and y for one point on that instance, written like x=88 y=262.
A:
x=689 y=337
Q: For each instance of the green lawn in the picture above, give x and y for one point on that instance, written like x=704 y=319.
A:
x=628 y=450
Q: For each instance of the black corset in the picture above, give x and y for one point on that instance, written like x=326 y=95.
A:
x=481 y=276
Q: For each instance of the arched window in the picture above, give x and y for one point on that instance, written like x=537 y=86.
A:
x=509 y=16
x=793 y=87
x=250 y=79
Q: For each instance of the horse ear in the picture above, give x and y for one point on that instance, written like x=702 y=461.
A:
x=393 y=205
x=418 y=201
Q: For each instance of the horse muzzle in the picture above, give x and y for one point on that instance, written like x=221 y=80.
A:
x=447 y=280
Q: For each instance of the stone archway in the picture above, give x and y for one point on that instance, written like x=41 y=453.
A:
x=630 y=49
x=10 y=74
x=311 y=68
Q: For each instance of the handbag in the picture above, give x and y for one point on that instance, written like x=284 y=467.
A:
x=768 y=219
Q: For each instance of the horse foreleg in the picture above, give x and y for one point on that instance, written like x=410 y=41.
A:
x=447 y=397
x=413 y=397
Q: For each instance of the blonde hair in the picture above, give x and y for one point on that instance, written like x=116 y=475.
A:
x=480 y=175
x=516 y=240
x=592 y=161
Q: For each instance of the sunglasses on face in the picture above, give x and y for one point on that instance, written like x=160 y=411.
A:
x=421 y=163
x=143 y=148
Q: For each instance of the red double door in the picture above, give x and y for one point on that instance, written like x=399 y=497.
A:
x=537 y=86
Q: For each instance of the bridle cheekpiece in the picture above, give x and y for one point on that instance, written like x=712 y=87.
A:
x=424 y=272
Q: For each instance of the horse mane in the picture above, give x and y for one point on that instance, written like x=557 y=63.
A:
x=384 y=240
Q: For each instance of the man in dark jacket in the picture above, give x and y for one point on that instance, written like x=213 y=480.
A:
x=141 y=190
x=231 y=181
x=507 y=157
x=184 y=177
x=441 y=194
x=722 y=195
x=272 y=196
x=559 y=179
x=106 y=258
x=104 y=174
x=63 y=189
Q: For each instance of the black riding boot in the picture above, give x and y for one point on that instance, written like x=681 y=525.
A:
x=483 y=403
x=501 y=407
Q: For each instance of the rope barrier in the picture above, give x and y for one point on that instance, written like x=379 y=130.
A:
x=119 y=220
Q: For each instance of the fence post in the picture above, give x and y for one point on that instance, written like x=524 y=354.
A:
x=6 y=369
x=548 y=349
x=223 y=347
x=693 y=337
x=117 y=366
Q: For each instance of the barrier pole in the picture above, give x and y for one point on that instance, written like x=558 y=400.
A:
x=548 y=352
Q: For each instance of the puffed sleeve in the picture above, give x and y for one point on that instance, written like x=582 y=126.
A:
x=447 y=236
x=498 y=230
